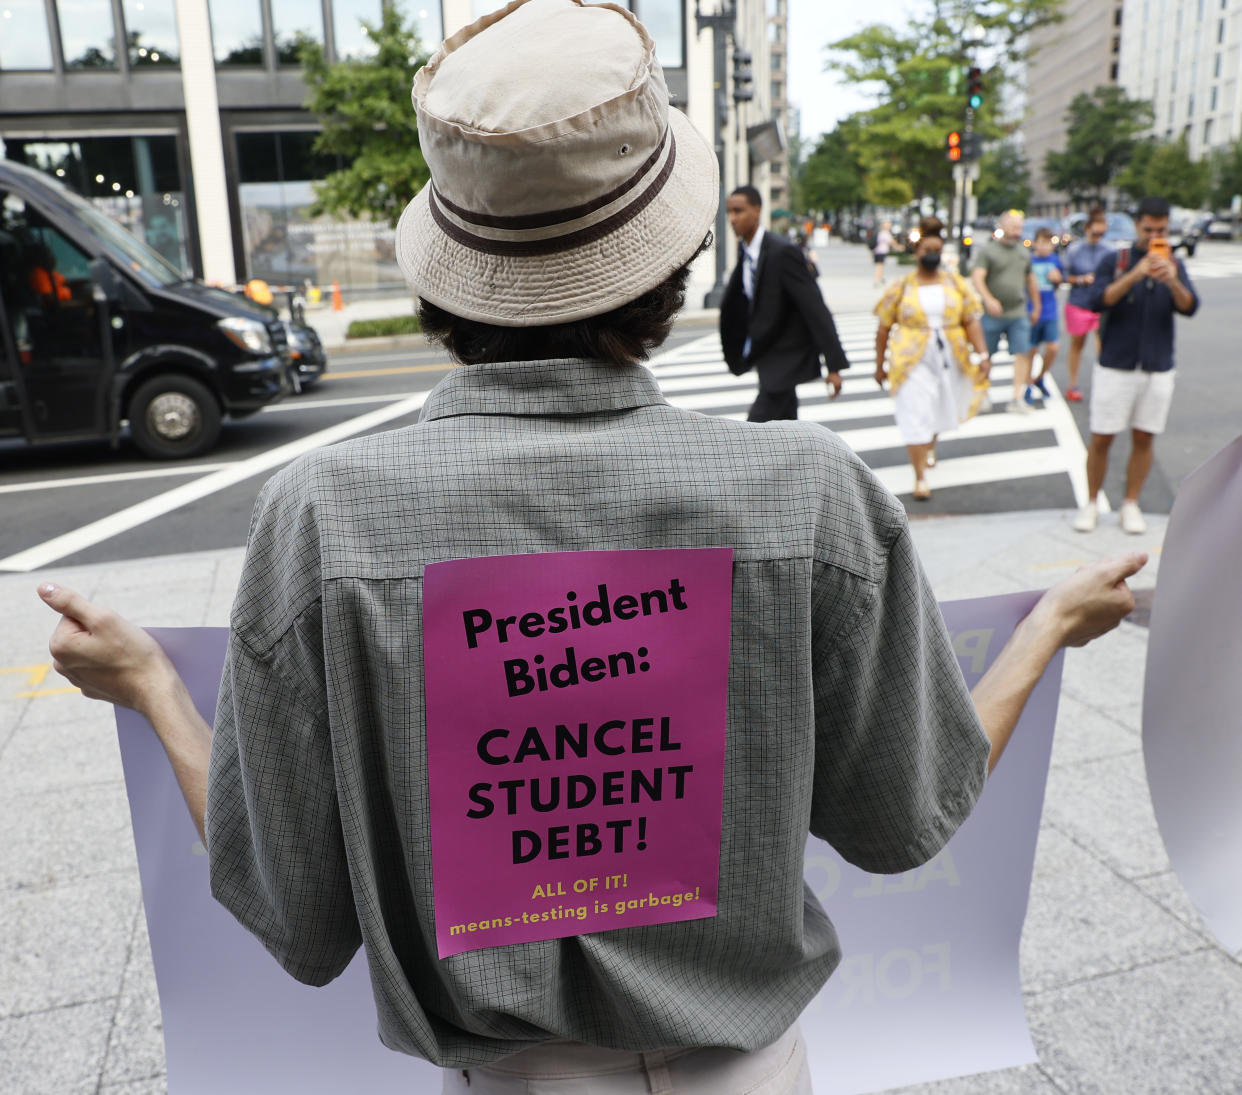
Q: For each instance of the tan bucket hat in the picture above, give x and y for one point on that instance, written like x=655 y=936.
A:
x=562 y=183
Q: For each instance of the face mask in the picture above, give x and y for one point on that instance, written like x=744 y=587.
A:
x=930 y=260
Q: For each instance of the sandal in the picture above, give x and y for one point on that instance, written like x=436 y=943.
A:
x=922 y=492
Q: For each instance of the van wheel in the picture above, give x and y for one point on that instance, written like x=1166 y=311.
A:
x=173 y=417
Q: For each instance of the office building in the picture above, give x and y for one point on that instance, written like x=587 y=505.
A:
x=184 y=119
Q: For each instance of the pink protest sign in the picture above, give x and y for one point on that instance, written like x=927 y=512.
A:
x=576 y=708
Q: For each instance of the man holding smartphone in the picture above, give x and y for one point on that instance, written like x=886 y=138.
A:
x=1139 y=289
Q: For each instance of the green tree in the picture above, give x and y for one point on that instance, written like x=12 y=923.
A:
x=831 y=178
x=918 y=76
x=1226 y=174
x=1004 y=179
x=1102 y=133
x=364 y=108
x=1164 y=168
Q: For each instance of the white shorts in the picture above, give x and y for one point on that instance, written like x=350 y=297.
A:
x=1123 y=399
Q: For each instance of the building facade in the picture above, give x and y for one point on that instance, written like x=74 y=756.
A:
x=1185 y=56
x=183 y=119
x=1076 y=55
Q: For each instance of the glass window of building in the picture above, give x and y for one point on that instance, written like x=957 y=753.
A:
x=151 y=33
x=87 y=33
x=136 y=181
x=352 y=40
x=237 y=32
x=283 y=243
x=663 y=20
x=293 y=20
x=428 y=19
x=24 y=40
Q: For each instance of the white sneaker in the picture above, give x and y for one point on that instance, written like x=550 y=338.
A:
x=1087 y=518
x=1132 y=519
x=1018 y=406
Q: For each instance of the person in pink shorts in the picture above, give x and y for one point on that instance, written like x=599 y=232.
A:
x=1081 y=261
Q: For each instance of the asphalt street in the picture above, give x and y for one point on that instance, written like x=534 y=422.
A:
x=74 y=503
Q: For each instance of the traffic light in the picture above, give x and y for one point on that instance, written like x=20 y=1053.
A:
x=974 y=87
x=953 y=147
x=743 y=78
x=972 y=146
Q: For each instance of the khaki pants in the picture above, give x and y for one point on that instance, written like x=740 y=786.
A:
x=566 y=1068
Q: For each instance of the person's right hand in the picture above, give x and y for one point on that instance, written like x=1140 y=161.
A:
x=992 y=306
x=104 y=654
x=881 y=375
x=1091 y=601
x=1088 y=279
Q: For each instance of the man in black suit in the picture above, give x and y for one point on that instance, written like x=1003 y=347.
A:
x=773 y=317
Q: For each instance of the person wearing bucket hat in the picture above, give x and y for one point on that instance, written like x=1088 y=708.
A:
x=549 y=253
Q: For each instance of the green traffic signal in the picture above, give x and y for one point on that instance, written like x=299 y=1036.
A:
x=976 y=101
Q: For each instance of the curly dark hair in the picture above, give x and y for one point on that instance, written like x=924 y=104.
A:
x=931 y=226
x=624 y=336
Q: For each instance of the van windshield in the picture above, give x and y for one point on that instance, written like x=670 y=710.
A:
x=149 y=265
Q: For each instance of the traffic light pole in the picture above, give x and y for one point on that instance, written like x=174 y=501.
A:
x=721 y=25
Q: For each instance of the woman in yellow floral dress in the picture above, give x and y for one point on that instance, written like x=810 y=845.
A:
x=928 y=323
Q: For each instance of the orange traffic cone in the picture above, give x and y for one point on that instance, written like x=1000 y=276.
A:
x=338 y=305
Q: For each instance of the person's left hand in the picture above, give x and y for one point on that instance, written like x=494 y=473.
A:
x=833 y=380
x=1163 y=270
x=105 y=655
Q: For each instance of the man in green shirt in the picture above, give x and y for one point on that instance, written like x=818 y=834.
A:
x=1003 y=277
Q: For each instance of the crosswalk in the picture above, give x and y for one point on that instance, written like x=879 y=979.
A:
x=1041 y=453
x=1212 y=260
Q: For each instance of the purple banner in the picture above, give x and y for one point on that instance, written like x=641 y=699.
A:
x=576 y=710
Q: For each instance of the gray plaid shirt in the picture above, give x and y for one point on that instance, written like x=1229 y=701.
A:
x=848 y=714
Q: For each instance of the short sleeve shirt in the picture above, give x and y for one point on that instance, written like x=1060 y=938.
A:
x=1006 y=268
x=847 y=711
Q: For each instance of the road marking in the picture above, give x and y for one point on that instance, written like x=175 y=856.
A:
x=122 y=521
x=112 y=477
x=344 y=401
x=47 y=692
x=396 y=370
x=35 y=674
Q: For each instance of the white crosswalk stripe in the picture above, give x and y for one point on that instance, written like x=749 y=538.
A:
x=693 y=376
x=1207 y=265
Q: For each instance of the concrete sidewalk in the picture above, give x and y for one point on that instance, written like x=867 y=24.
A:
x=1125 y=990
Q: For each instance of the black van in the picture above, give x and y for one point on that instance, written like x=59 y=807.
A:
x=96 y=328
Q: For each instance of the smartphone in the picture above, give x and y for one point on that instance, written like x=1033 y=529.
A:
x=1160 y=248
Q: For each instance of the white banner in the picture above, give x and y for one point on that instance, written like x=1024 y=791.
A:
x=928 y=988
x=1192 y=696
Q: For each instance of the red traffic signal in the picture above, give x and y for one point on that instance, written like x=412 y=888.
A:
x=953 y=146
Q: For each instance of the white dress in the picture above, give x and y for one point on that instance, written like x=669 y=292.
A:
x=935 y=397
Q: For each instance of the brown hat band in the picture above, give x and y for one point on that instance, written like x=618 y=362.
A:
x=464 y=226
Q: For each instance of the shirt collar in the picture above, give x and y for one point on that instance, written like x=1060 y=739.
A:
x=756 y=241
x=563 y=386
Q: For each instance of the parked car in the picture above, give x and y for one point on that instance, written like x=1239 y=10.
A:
x=1216 y=228
x=308 y=359
x=98 y=329
x=1060 y=238
x=1120 y=231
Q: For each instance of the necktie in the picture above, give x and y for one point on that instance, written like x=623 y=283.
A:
x=748 y=272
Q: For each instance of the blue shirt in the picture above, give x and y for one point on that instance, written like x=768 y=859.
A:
x=1083 y=257
x=1040 y=266
x=1138 y=333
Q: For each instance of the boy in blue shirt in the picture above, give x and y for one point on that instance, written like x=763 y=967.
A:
x=1049 y=273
